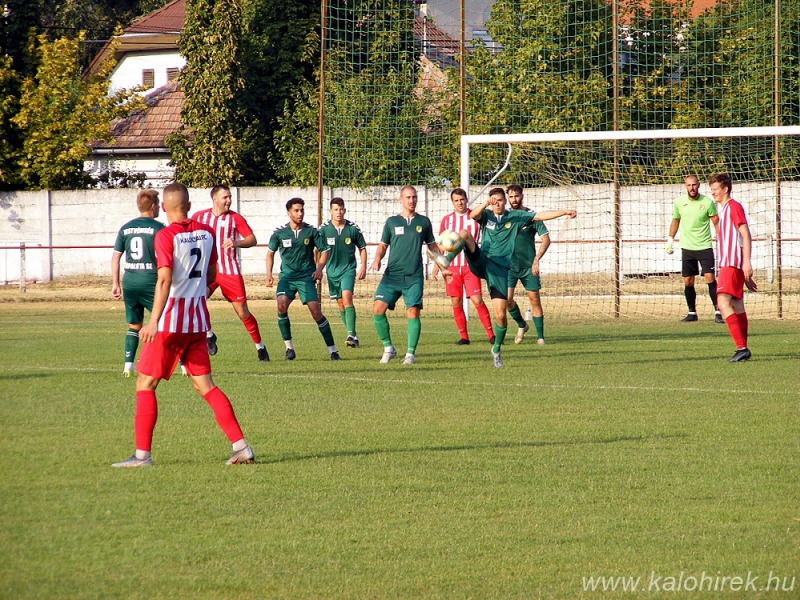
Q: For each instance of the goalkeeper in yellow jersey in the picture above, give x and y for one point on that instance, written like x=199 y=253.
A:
x=693 y=211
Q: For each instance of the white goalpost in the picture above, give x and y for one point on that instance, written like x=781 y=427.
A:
x=610 y=261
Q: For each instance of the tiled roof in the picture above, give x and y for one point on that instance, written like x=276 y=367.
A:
x=168 y=19
x=431 y=36
x=148 y=128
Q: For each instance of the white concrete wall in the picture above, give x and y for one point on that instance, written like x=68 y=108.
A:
x=76 y=229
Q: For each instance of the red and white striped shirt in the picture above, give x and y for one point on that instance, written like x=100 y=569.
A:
x=729 y=240
x=230 y=225
x=456 y=222
x=188 y=248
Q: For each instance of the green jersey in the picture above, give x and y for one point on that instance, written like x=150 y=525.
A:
x=524 y=249
x=297 y=249
x=694 y=216
x=343 y=242
x=406 y=237
x=135 y=241
x=499 y=233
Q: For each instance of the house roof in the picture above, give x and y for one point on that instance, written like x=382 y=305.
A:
x=170 y=19
x=432 y=37
x=155 y=32
x=148 y=128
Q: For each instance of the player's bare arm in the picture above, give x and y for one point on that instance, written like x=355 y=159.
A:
x=549 y=215
x=477 y=211
x=543 y=246
x=321 y=262
x=379 y=254
x=247 y=242
x=270 y=264
x=116 y=289
x=362 y=270
x=747 y=244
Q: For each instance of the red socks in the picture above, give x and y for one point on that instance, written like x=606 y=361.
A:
x=145 y=420
x=461 y=321
x=251 y=325
x=223 y=412
x=486 y=320
x=737 y=326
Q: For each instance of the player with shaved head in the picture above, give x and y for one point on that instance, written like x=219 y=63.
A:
x=186 y=257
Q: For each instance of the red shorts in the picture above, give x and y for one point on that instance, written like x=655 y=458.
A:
x=463 y=279
x=159 y=358
x=730 y=281
x=232 y=287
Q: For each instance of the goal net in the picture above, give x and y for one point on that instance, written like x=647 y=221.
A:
x=610 y=261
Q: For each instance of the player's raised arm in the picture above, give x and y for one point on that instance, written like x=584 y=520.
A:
x=478 y=209
x=549 y=215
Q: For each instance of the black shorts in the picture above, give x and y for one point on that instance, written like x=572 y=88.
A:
x=691 y=258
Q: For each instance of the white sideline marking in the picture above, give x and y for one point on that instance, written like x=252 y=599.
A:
x=550 y=386
x=494 y=384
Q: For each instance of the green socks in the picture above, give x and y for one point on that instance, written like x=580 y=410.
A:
x=517 y=315
x=285 y=326
x=131 y=344
x=382 y=329
x=538 y=323
x=499 y=337
x=325 y=330
x=414 y=329
x=350 y=320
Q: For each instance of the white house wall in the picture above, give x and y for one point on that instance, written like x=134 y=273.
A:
x=128 y=72
x=156 y=167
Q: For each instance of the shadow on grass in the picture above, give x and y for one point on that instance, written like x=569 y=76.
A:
x=463 y=447
x=22 y=376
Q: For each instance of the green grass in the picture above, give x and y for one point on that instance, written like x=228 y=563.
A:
x=619 y=449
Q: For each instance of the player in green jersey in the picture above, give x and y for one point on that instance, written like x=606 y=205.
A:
x=344 y=238
x=525 y=268
x=135 y=241
x=499 y=230
x=296 y=242
x=693 y=211
x=406 y=233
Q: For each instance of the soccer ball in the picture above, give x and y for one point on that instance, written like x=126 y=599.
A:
x=448 y=240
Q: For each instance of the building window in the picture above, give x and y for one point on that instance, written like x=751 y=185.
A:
x=172 y=73
x=148 y=78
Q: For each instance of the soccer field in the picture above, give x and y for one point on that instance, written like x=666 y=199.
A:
x=631 y=452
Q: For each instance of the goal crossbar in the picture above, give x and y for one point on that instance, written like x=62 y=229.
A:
x=594 y=136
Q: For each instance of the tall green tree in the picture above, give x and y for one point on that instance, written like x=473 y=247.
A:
x=61 y=113
x=374 y=126
x=212 y=83
x=546 y=68
x=728 y=81
x=9 y=134
x=280 y=54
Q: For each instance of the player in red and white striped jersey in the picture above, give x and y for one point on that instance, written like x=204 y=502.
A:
x=734 y=245
x=186 y=260
x=231 y=232
x=463 y=279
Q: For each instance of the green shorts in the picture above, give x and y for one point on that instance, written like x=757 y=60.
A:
x=495 y=274
x=136 y=299
x=291 y=286
x=531 y=282
x=392 y=287
x=346 y=282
